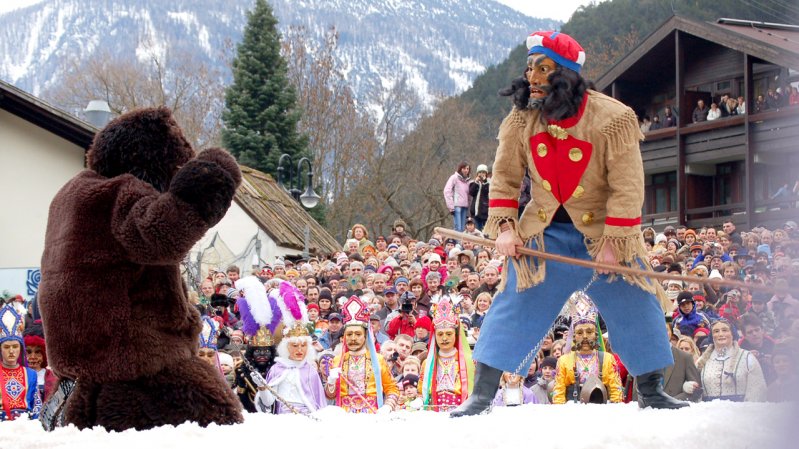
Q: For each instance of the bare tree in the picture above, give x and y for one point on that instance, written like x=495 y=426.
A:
x=192 y=89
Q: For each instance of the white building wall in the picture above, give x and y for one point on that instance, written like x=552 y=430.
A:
x=34 y=165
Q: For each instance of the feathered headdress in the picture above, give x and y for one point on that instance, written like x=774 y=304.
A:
x=260 y=313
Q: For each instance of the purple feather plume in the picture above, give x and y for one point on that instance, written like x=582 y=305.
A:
x=250 y=326
x=276 y=315
x=290 y=296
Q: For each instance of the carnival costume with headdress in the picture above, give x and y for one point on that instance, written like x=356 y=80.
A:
x=587 y=193
x=365 y=383
x=598 y=378
x=208 y=339
x=296 y=381
x=261 y=321
x=19 y=393
x=447 y=379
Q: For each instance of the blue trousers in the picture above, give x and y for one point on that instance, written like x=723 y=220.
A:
x=460 y=218
x=517 y=321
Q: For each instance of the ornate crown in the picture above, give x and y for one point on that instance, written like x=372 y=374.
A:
x=445 y=316
x=582 y=309
x=297 y=329
x=262 y=338
x=11 y=324
x=209 y=333
x=355 y=312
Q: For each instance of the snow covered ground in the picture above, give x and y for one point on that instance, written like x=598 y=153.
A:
x=571 y=426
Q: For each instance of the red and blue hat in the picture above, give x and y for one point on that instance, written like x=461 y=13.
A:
x=562 y=48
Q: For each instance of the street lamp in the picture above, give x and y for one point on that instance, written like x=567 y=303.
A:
x=309 y=199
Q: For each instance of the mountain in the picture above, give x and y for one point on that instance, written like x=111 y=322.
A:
x=439 y=46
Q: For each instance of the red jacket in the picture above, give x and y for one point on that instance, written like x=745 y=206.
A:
x=400 y=325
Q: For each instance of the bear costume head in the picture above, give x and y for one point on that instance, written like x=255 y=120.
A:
x=146 y=143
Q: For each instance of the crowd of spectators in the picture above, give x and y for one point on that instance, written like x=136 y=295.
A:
x=403 y=278
x=725 y=105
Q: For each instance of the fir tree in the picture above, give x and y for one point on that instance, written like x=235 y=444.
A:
x=261 y=113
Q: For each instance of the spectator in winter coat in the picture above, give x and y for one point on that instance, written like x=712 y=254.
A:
x=688 y=318
x=478 y=197
x=456 y=195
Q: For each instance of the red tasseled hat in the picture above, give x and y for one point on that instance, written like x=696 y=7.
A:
x=35 y=340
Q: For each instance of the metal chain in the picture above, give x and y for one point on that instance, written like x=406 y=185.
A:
x=528 y=358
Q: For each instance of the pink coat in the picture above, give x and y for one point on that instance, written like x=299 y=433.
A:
x=456 y=192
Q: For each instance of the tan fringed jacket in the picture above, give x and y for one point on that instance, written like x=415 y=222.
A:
x=590 y=163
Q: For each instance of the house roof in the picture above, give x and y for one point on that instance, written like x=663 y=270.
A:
x=777 y=46
x=278 y=214
x=46 y=116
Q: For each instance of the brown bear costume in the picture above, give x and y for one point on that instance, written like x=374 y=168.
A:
x=113 y=303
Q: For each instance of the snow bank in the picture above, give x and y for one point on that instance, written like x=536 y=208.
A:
x=571 y=426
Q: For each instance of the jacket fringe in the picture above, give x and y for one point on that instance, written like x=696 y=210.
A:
x=622 y=132
x=630 y=252
x=530 y=270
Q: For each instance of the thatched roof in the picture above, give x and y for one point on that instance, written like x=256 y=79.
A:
x=279 y=215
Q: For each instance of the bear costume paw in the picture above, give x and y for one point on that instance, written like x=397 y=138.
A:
x=208 y=183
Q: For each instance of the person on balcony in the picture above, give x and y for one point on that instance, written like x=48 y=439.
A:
x=669 y=119
x=714 y=112
x=700 y=112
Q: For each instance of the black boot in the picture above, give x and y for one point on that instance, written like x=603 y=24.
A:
x=486 y=384
x=651 y=394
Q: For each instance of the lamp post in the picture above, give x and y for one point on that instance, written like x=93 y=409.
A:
x=309 y=199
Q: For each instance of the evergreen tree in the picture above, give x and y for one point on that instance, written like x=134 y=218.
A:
x=261 y=113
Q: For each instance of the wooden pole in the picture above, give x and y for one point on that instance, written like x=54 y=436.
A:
x=619 y=269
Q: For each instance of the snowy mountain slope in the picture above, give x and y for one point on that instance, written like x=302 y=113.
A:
x=439 y=45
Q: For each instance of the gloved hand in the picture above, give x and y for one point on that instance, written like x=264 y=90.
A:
x=333 y=376
x=384 y=410
x=689 y=387
x=416 y=404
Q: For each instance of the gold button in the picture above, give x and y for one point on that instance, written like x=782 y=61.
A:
x=575 y=154
x=542 y=215
x=578 y=192
x=547 y=185
x=542 y=150
x=588 y=218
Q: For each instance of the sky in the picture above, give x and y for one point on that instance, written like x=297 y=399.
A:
x=558 y=9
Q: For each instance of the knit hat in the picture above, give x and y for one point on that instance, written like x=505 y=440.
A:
x=684 y=297
x=691 y=232
x=312 y=306
x=482 y=167
x=326 y=294
x=410 y=380
x=696 y=246
x=549 y=361
x=35 y=340
x=434 y=258
x=401 y=279
x=425 y=323
x=562 y=48
x=226 y=359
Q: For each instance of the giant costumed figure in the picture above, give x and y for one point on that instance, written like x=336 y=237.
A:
x=119 y=230
x=585 y=373
x=360 y=380
x=18 y=387
x=448 y=372
x=580 y=149
x=261 y=318
x=294 y=376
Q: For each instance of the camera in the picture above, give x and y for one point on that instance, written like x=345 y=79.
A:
x=394 y=357
x=407 y=307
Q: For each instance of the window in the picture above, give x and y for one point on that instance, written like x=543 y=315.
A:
x=662 y=193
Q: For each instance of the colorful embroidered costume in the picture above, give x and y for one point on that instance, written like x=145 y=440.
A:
x=19 y=387
x=446 y=375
